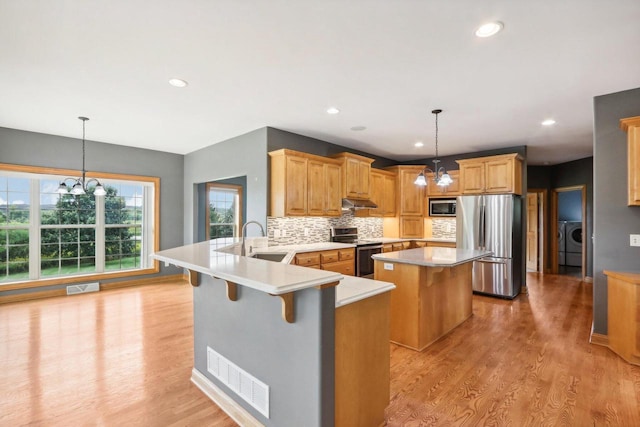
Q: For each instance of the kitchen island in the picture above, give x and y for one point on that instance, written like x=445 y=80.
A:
x=284 y=345
x=433 y=292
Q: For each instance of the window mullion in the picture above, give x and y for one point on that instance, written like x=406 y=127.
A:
x=100 y=234
x=34 y=229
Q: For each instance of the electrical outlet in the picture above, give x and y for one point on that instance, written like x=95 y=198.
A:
x=276 y=233
x=388 y=266
x=634 y=239
x=284 y=233
x=306 y=232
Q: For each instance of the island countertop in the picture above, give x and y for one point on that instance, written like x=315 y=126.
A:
x=432 y=256
x=274 y=278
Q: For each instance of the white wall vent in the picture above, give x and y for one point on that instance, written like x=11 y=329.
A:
x=83 y=288
x=252 y=390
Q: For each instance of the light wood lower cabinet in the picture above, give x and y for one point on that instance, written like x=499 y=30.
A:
x=623 y=301
x=441 y=244
x=338 y=260
x=428 y=302
x=362 y=388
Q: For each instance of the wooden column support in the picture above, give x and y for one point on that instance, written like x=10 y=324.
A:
x=232 y=289
x=288 y=313
x=193 y=278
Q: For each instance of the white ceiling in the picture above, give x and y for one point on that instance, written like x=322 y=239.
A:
x=252 y=63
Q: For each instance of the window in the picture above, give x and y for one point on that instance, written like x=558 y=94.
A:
x=45 y=235
x=224 y=214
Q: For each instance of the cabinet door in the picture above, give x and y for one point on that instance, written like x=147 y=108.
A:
x=450 y=190
x=343 y=267
x=411 y=196
x=333 y=190
x=377 y=194
x=389 y=196
x=364 y=177
x=411 y=227
x=499 y=176
x=472 y=178
x=315 y=188
x=352 y=177
x=296 y=186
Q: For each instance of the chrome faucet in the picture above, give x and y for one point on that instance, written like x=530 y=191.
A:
x=243 y=251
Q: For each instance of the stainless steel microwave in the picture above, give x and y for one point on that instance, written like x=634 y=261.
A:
x=442 y=207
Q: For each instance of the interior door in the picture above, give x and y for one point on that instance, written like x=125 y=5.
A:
x=532 y=231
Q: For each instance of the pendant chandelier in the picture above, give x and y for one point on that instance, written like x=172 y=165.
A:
x=81 y=184
x=440 y=175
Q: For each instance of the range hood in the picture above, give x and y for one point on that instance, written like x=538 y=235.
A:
x=349 y=203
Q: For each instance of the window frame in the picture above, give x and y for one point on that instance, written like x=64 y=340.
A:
x=239 y=220
x=63 y=173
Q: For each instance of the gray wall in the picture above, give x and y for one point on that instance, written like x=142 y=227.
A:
x=577 y=172
x=295 y=360
x=614 y=220
x=37 y=149
x=277 y=139
x=244 y=155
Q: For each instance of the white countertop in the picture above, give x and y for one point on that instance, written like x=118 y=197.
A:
x=272 y=277
x=384 y=240
x=432 y=257
x=218 y=258
x=352 y=289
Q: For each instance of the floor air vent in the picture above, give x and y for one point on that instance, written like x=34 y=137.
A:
x=83 y=289
x=252 y=390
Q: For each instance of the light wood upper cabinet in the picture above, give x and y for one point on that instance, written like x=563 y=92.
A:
x=383 y=194
x=323 y=188
x=631 y=125
x=491 y=175
x=288 y=184
x=356 y=175
x=409 y=196
x=304 y=184
x=450 y=190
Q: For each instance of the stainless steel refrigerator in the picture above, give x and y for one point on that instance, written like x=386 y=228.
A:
x=493 y=223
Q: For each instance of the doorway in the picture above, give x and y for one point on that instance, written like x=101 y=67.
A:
x=568 y=222
x=536 y=230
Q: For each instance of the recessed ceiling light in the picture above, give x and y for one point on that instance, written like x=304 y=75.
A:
x=358 y=128
x=489 y=29
x=332 y=110
x=548 y=122
x=178 y=82
x=419 y=144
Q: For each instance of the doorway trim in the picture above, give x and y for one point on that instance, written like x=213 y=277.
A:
x=554 y=226
x=543 y=227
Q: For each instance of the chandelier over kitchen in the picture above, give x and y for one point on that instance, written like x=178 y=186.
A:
x=81 y=184
x=440 y=175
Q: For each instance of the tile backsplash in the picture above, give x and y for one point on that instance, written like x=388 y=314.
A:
x=313 y=229
x=443 y=228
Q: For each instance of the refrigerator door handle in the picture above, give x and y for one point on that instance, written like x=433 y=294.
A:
x=482 y=229
x=492 y=261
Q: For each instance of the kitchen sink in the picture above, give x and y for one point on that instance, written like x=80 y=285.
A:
x=271 y=256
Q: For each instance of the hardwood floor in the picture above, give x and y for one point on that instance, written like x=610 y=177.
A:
x=124 y=357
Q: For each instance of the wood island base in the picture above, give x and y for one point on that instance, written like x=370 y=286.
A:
x=428 y=302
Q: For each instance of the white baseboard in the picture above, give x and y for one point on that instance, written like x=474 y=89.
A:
x=220 y=398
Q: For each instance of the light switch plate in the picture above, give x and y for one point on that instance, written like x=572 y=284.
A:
x=388 y=266
x=634 y=239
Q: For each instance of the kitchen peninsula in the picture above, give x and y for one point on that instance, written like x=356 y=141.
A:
x=433 y=292
x=284 y=345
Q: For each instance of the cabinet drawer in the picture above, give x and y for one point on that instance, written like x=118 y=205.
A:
x=328 y=256
x=397 y=247
x=347 y=268
x=441 y=244
x=387 y=248
x=307 y=259
x=346 y=254
x=419 y=244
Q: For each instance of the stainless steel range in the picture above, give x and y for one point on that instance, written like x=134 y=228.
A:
x=364 y=248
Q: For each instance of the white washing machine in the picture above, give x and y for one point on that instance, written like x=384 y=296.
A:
x=573 y=243
x=561 y=243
